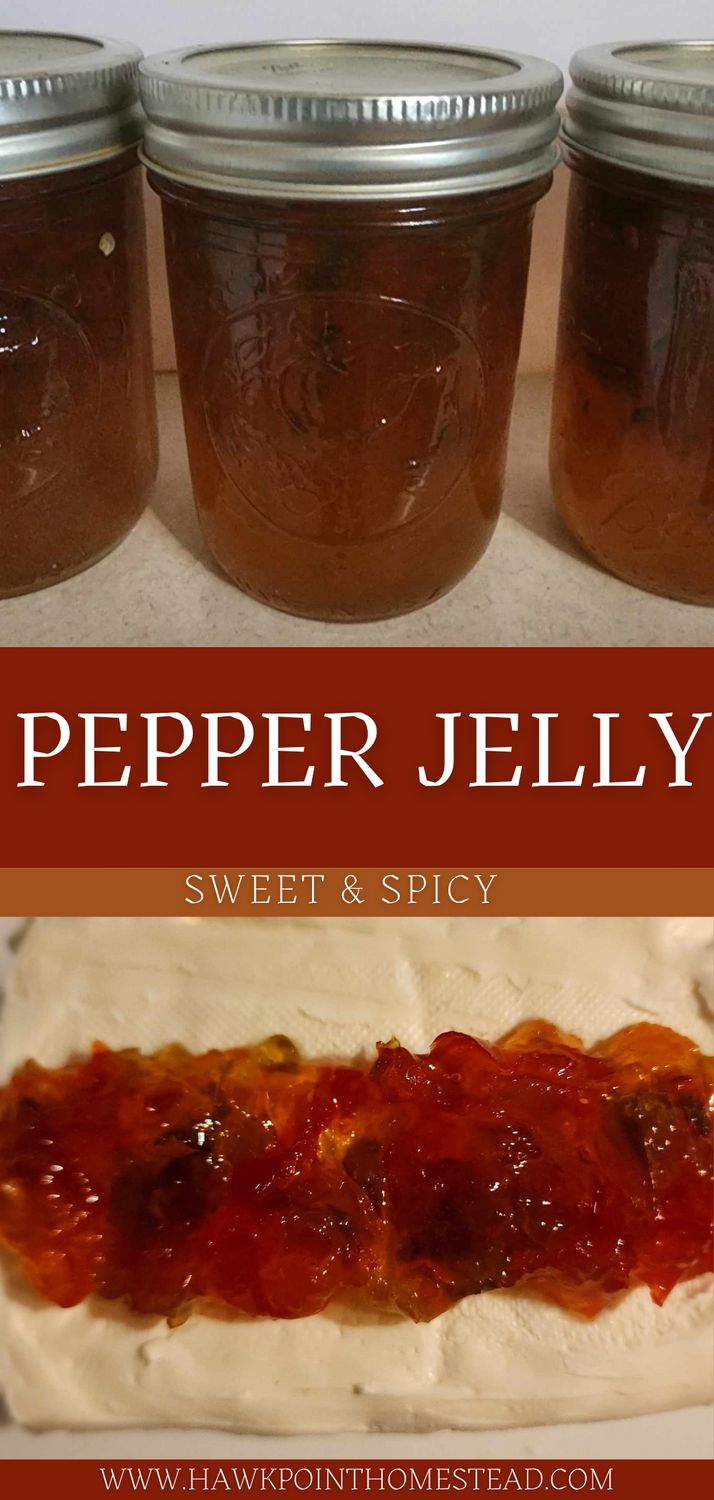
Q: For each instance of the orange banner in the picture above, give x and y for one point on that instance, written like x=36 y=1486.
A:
x=334 y=892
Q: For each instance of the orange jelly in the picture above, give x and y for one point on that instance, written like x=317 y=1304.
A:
x=347 y=230
x=347 y=377
x=632 y=451
x=259 y=1181
x=78 y=439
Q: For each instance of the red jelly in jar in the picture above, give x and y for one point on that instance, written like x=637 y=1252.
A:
x=347 y=234
x=78 y=442
x=632 y=455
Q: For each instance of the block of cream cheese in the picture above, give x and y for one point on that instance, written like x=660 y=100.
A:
x=336 y=987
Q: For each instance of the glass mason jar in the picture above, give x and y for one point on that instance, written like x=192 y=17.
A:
x=78 y=445
x=347 y=232
x=632 y=448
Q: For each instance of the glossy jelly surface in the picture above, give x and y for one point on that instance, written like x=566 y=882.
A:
x=347 y=376
x=632 y=448
x=258 y=1181
x=78 y=441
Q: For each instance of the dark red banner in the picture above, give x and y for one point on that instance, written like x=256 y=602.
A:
x=628 y=1479
x=498 y=758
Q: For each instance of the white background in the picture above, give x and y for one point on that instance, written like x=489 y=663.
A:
x=549 y=28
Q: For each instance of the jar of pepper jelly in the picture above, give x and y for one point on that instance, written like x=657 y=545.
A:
x=632 y=456
x=78 y=444
x=347 y=231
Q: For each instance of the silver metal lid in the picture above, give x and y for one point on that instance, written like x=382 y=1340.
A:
x=646 y=105
x=349 y=119
x=65 y=100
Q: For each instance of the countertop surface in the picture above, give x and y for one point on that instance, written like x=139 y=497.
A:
x=533 y=587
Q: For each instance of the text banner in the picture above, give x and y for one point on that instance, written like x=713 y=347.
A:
x=628 y=1479
x=358 y=892
x=255 y=758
